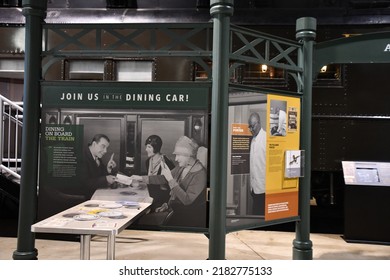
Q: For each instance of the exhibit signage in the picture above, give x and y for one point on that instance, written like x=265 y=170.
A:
x=240 y=150
x=104 y=95
x=282 y=138
x=129 y=143
x=265 y=161
x=366 y=173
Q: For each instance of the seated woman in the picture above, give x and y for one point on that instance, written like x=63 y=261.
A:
x=187 y=183
x=153 y=146
x=159 y=193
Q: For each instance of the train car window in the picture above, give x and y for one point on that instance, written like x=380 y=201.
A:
x=11 y=3
x=12 y=68
x=134 y=71
x=85 y=70
x=174 y=127
x=262 y=74
x=202 y=73
x=330 y=76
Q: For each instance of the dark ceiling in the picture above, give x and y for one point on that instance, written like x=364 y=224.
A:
x=239 y=4
x=248 y=12
x=196 y=4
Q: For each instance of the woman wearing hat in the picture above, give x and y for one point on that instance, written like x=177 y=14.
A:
x=187 y=182
x=153 y=146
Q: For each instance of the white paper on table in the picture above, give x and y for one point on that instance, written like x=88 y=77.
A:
x=123 y=179
x=59 y=222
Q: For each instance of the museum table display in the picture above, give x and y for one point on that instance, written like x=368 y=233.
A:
x=94 y=217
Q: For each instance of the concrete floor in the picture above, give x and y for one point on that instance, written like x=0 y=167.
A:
x=241 y=245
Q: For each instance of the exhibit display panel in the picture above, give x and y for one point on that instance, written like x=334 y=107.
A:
x=264 y=159
x=118 y=141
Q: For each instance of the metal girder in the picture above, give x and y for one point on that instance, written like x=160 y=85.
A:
x=256 y=47
x=179 y=40
x=134 y=39
x=250 y=46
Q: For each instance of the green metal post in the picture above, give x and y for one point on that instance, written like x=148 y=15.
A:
x=221 y=11
x=34 y=12
x=306 y=33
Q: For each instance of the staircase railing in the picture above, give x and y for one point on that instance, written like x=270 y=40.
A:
x=11 y=136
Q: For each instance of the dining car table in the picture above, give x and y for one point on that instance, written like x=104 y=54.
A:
x=94 y=217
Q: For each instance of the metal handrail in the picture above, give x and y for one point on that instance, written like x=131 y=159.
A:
x=10 y=171
x=10 y=131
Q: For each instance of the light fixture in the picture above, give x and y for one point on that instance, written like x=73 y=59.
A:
x=347 y=35
x=323 y=69
x=264 y=68
x=197 y=125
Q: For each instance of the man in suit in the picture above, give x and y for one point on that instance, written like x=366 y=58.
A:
x=96 y=173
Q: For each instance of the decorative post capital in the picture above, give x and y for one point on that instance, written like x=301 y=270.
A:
x=221 y=7
x=306 y=28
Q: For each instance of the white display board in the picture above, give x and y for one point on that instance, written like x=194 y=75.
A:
x=366 y=173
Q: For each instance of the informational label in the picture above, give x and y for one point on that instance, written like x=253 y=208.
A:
x=366 y=173
x=61 y=152
x=283 y=157
x=240 y=148
x=64 y=162
x=294 y=164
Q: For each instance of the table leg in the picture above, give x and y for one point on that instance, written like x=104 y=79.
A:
x=111 y=246
x=85 y=246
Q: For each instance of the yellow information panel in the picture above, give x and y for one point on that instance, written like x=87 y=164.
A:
x=281 y=200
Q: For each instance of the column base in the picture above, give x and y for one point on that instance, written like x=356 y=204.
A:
x=302 y=250
x=25 y=255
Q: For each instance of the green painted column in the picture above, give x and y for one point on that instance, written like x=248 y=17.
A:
x=34 y=12
x=306 y=33
x=221 y=11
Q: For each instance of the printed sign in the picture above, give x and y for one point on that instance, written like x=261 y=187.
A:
x=126 y=142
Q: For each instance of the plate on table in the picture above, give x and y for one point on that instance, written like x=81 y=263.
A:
x=118 y=217
x=86 y=217
x=110 y=205
x=71 y=215
x=92 y=205
x=111 y=214
x=128 y=193
x=128 y=203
